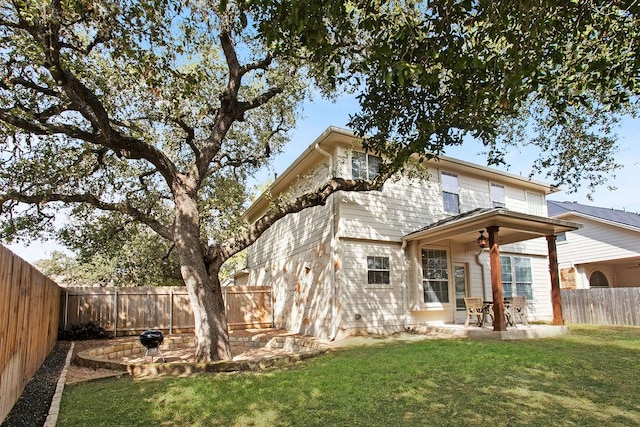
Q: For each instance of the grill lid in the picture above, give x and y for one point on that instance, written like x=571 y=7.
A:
x=151 y=338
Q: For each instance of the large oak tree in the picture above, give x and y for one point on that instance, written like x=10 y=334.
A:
x=155 y=112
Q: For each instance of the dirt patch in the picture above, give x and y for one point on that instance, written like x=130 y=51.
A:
x=78 y=373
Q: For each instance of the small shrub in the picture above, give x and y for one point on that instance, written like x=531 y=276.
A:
x=84 y=331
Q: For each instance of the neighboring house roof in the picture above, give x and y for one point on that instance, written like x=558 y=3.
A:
x=606 y=215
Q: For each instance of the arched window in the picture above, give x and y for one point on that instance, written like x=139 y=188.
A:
x=598 y=280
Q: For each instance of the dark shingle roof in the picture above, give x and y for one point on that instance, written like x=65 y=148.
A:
x=606 y=214
x=453 y=218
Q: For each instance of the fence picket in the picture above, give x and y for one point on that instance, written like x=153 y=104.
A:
x=29 y=313
x=602 y=306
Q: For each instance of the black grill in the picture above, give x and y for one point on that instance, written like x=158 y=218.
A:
x=151 y=338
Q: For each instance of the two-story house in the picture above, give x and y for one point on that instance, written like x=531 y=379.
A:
x=605 y=252
x=384 y=261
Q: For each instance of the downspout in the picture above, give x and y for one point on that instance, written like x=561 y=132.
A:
x=484 y=283
x=405 y=296
x=332 y=252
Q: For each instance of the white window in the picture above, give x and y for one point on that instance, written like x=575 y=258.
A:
x=535 y=204
x=498 y=198
x=516 y=271
x=450 y=197
x=378 y=271
x=435 y=276
x=561 y=237
x=364 y=166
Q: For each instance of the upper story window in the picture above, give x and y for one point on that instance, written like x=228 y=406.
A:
x=364 y=166
x=498 y=196
x=378 y=271
x=535 y=204
x=450 y=197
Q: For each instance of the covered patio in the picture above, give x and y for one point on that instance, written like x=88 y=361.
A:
x=502 y=227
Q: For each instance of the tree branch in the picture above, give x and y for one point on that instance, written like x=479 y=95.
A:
x=37 y=199
x=257 y=65
x=88 y=104
x=316 y=198
x=259 y=100
x=48 y=128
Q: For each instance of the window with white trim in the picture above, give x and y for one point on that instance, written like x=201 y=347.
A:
x=498 y=196
x=364 y=166
x=561 y=237
x=517 y=277
x=378 y=271
x=450 y=190
x=435 y=276
x=535 y=204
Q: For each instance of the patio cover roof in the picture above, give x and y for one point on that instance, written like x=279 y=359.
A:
x=513 y=227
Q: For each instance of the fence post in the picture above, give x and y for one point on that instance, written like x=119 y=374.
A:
x=171 y=311
x=226 y=303
x=66 y=308
x=115 y=312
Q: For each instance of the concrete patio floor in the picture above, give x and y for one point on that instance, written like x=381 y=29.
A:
x=519 y=332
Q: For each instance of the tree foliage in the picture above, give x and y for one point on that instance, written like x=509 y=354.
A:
x=555 y=75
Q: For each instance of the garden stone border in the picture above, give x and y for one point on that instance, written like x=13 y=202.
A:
x=107 y=357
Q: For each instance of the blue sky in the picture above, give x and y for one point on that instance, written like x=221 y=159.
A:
x=319 y=114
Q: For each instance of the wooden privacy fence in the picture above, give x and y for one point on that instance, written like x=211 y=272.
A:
x=602 y=306
x=129 y=311
x=29 y=305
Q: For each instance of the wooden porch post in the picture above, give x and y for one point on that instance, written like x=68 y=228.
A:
x=496 y=280
x=556 y=300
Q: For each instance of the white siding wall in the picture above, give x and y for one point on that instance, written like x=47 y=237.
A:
x=408 y=205
x=379 y=307
x=597 y=242
x=294 y=257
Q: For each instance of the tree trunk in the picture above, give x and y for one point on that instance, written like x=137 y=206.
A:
x=205 y=294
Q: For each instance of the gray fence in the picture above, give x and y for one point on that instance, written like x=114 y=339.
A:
x=602 y=306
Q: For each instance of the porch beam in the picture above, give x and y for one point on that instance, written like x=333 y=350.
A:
x=556 y=299
x=496 y=279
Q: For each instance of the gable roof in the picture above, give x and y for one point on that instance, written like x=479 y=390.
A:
x=607 y=215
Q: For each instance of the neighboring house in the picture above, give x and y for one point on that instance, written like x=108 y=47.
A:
x=385 y=261
x=604 y=253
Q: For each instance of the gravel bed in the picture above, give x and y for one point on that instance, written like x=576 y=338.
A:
x=33 y=406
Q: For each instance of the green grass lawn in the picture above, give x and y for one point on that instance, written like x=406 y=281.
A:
x=588 y=378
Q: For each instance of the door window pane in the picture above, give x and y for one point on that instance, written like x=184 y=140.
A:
x=460 y=275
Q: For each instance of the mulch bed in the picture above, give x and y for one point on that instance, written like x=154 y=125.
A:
x=33 y=406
